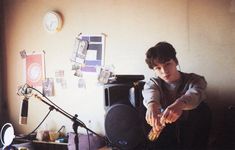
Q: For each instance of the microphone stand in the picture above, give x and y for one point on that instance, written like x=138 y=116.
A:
x=76 y=123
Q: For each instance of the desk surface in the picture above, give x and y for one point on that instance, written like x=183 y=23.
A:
x=47 y=142
x=53 y=143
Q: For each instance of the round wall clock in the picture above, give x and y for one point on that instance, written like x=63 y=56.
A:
x=52 y=22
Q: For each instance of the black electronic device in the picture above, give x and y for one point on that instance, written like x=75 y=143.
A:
x=123 y=126
x=123 y=78
x=123 y=93
x=124 y=117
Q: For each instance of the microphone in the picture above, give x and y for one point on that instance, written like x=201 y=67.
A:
x=25 y=91
x=24 y=111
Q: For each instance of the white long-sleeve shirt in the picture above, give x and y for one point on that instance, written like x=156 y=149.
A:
x=190 y=88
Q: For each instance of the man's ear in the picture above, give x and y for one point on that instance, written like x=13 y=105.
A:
x=176 y=61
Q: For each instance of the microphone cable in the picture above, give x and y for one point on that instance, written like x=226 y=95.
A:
x=57 y=107
x=26 y=136
x=54 y=106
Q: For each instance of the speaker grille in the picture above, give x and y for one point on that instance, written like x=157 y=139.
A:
x=123 y=126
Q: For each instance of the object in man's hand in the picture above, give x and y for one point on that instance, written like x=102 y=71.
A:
x=152 y=136
x=23 y=148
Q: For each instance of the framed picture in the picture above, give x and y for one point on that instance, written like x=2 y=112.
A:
x=95 y=52
x=35 y=69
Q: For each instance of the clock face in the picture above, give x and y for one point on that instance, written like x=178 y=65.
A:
x=52 y=22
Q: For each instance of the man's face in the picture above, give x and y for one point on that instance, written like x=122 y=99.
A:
x=167 y=71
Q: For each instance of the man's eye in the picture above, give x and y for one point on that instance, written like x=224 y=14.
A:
x=167 y=64
x=157 y=68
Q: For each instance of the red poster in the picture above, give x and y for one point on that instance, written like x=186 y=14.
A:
x=35 y=69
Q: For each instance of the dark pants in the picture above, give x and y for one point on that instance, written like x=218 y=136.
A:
x=190 y=132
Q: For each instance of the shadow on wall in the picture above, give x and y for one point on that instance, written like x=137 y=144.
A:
x=4 y=118
x=223 y=122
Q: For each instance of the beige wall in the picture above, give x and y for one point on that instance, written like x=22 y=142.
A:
x=202 y=31
x=212 y=33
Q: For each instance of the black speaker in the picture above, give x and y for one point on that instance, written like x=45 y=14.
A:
x=120 y=94
x=123 y=124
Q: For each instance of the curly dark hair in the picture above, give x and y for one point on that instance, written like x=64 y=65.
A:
x=162 y=52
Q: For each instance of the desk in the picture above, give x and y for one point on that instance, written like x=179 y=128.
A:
x=39 y=145
x=43 y=145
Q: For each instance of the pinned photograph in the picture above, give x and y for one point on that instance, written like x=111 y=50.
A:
x=59 y=78
x=81 y=83
x=23 y=54
x=79 y=51
x=48 y=87
x=105 y=73
x=78 y=73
